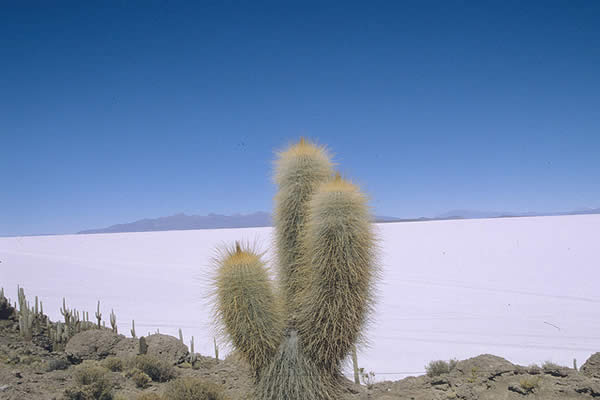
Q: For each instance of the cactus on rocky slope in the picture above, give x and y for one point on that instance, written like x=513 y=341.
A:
x=296 y=336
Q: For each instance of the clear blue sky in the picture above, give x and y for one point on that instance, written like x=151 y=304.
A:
x=119 y=110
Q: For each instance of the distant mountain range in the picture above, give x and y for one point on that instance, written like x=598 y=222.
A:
x=182 y=221
x=472 y=214
x=259 y=219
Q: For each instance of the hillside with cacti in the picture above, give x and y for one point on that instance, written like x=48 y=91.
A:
x=99 y=363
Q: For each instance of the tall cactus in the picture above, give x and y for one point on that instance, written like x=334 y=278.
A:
x=296 y=339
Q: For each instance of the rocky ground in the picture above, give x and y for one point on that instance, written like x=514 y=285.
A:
x=30 y=370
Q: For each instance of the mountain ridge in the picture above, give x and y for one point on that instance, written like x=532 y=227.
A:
x=259 y=219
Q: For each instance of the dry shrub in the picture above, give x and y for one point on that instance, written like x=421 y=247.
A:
x=439 y=367
x=114 y=364
x=92 y=383
x=529 y=384
x=141 y=379
x=190 y=388
x=58 y=364
x=158 y=370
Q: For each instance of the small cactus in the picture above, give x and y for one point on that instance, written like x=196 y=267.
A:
x=26 y=325
x=26 y=315
x=355 y=365
x=67 y=315
x=99 y=315
x=216 y=349
x=142 y=346
x=58 y=337
x=193 y=355
x=113 y=321
x=65 y=311
x=133 y=329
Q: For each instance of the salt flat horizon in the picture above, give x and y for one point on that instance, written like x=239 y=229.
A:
x=521 y=288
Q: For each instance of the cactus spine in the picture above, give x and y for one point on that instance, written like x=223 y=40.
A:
x=295 y=340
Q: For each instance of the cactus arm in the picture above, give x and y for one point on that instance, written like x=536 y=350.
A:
x=247 y=307
x=340 y=246
x=193 y=355
x=298 y=172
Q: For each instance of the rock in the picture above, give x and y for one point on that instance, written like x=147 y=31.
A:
x=557 y=371
x=6 y=310
x=4 y=388
x=591 y=368
x=167 y=348
x=95 y=344
x=518 y=389
x=127 y=347
x=484 y=367
x=42 y=340
x=590 y=388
